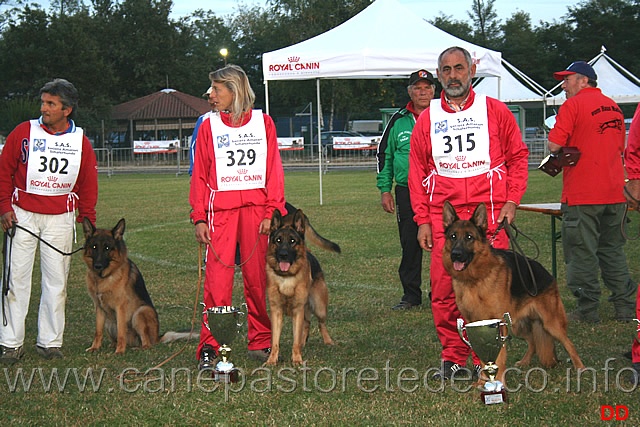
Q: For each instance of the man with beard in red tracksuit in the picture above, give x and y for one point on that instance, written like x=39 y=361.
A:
x=465 y=148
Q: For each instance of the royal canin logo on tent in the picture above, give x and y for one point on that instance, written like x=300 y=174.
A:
x=294 y=64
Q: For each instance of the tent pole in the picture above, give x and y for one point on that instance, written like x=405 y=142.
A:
x=266 y=95
x=319 y=138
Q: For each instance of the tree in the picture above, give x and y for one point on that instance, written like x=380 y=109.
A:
x=487 y=24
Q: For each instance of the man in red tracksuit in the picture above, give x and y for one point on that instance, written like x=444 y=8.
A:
x=237 y=183
x=465 y=148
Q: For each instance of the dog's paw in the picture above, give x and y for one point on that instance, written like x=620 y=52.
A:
x=92 y=349
x=270 y=362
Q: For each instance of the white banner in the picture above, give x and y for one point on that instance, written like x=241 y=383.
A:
x=355 y=142
x=155 y=147
x=287 y=144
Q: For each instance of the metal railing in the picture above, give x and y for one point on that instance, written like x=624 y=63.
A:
x=112 y=160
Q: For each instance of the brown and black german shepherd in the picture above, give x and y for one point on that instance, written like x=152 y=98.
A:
x=123 y=305
x=486 y=287
x=295 y=284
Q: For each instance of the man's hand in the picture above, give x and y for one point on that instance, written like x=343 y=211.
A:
x=508 y=212
x=632 y=193
x=425 y=238
x=387 y=202
x=8 y=219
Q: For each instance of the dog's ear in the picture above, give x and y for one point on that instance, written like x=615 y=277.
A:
x=276 y=220
x=299 y=222
x=118 y=230
x=88 y=228
x=479 y=217
x=449 y=215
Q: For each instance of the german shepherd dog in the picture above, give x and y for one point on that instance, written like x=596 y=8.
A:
x=485 y=288
x=116 y=286
x=295 y=284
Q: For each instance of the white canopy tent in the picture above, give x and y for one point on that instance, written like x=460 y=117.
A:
x=513 y=86
x=614 y=80
x=368 y=46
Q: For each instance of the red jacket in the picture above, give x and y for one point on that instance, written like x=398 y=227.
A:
x=594 y=124
x=506 y=148
x=13 y=174
x=204 y=176
x=632 y=152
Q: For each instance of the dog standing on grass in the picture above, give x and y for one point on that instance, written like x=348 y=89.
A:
x=116 y=286
x=486 y=287
x=295 y=283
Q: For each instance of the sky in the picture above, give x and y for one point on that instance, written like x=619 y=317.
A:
x=539 y=10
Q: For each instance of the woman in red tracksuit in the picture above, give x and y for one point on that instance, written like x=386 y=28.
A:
x=237 y=183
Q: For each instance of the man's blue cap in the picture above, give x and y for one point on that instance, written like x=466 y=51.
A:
x=578 y=67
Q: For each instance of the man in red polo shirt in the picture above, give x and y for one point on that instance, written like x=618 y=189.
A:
x=593 y=203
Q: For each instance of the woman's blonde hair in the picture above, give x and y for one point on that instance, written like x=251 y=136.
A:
x=235 y=79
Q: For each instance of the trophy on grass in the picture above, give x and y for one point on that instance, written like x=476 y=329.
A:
x=224 y=323
x=486 y=338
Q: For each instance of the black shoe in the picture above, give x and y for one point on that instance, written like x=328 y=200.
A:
x=404 y=305
x=448 y=369
x=207 y=358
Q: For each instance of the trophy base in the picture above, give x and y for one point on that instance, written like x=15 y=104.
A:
x=493 y=397
x=226 y=377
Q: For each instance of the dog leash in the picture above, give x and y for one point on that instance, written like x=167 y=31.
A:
x=6 y=270
x=625 y=220
x=240 y=264
x=513 y=232
x=15 y=225
x=7 y=245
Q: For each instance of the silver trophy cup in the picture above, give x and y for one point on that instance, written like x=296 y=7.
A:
x=486 y=338
x=224 y=323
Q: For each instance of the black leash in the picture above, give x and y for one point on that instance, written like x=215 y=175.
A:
x=44 y=241
x=513 y=232
x=6 y=269
x=625 y=220
x=6 y=252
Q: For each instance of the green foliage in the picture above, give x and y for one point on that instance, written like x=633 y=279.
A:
x=118 y=50
x=17 y=110
x=334 y=390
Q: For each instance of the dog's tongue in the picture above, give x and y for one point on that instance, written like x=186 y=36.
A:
x=284 y=266
x=458 y=266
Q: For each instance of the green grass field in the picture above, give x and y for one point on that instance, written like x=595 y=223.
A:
x=374 y=375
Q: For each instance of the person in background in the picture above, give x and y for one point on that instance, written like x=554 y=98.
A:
x=48 y=171
x=237 y=183
x=393 y=165
x=632 y=194
x=192 y=146
x=593 y=202
x=465 y=148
